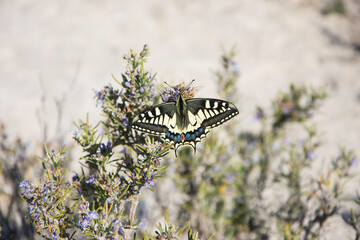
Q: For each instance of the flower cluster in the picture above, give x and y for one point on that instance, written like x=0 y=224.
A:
x=297 y=105
x=149 y=183
x=105 y=150
x=171 y=93
x=117 y=226
x=86 y=216
x=47 y=198
x=227 y=77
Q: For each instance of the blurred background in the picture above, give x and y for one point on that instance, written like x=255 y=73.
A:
x=45 y=45
x=53 y=54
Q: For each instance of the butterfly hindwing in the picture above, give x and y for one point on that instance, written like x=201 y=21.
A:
x=189 y=136
x=211 y=112
x=203 y=114
x=156 y=120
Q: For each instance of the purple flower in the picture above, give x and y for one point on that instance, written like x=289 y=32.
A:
x=124 y=121
x=310 y=155
x=32 y=207
x=90 y=215
x=36 y=216
x=229 y=214
x=258 y=115
x=310 y=113
x=142 y=90
x=48 y=199
x=105 y=149
x=82 y=208
x=85 y=222
x=116 y=223
x=157 y=161
x=230 y=177
x=99 y=95
x=149 y=183
x=175 y=96
x=165 y=97
x=75 y=133
x=127 y=84
x=286 y=110
x=93 y=215
x=142 y=222
x=236 y=69
x=120 y=231
x=34 y=212
x=354 y=162
x=24 y=184
x=22 y=154
x=91 y=179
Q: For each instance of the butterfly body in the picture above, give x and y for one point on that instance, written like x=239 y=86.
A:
x=184 y=121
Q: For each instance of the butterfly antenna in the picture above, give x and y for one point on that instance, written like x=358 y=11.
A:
x=187 y=86
x=168 y=85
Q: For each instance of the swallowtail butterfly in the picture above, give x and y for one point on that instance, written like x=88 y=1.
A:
x=183 y=120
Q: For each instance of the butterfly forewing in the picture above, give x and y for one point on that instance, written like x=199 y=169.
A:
x=211 y=112
x=156 y=120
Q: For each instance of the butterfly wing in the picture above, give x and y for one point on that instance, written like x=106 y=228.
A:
x=156 y=120
x=203 y=114
x=209 y=112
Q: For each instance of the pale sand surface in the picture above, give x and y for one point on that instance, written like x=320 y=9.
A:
x=278 y=42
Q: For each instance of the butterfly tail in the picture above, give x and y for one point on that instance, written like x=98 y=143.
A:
x=176 y=153
x=176 y=147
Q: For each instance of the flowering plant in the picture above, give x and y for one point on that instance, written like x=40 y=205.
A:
x=246 y=185
x=102 y=203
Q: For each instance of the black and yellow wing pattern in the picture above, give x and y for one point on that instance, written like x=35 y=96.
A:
x=184 y=121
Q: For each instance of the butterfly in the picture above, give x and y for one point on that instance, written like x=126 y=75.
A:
x=184 y=121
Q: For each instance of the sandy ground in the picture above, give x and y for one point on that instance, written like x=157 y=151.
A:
x=44 y=45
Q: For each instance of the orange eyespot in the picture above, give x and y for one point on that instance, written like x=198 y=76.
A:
x=182 y=137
